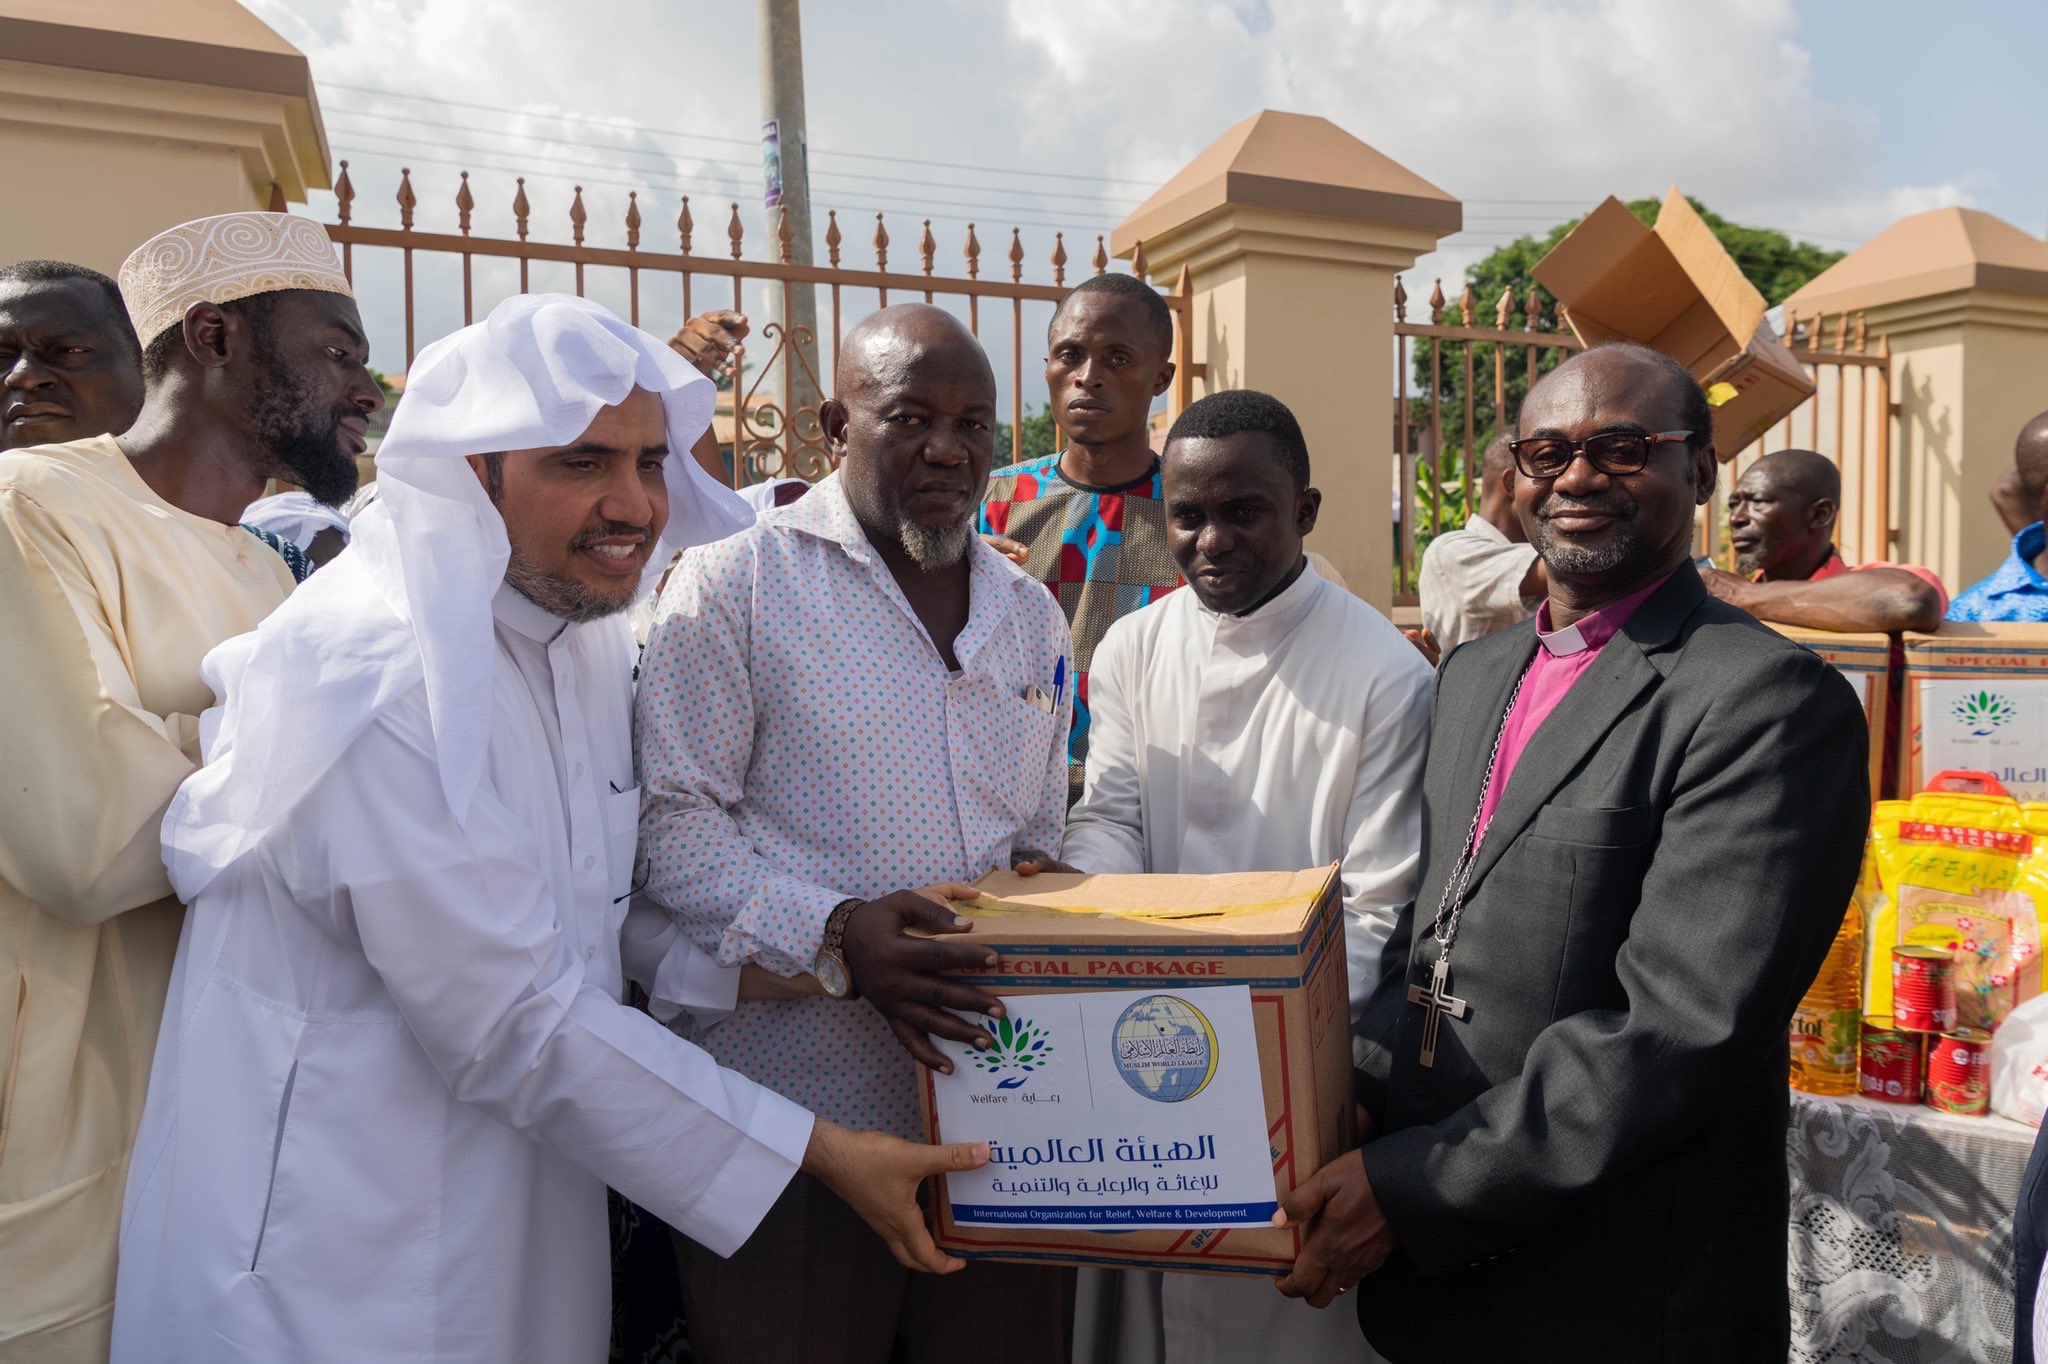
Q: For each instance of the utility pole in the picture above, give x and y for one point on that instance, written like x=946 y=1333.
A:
x=785 y=164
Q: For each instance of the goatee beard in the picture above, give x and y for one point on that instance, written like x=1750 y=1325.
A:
x=933 y=547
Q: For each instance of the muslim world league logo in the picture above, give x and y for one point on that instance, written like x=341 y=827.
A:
x=1165 y=1049
x=1016 y=1049
x=1983 y=713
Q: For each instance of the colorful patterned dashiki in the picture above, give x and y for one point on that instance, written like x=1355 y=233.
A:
x=2015 y=590
x=1101 y=551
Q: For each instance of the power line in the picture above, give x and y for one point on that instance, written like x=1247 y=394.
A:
x=734 y=141
x=703 y=160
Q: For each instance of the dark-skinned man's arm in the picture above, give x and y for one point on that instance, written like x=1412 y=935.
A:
x=1870 y=600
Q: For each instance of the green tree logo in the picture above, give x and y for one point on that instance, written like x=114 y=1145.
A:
x=1983 y=712
x=1019 y=1047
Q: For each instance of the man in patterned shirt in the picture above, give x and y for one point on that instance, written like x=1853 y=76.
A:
x=1089 y=518
x=2017 y=589
x=853 y=696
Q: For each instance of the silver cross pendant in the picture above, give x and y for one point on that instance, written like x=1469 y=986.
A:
x=1437 y=1001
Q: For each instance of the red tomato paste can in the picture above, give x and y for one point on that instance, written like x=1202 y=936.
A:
x=1889 y=1065
x=1959 y=1071
x=1923 y=989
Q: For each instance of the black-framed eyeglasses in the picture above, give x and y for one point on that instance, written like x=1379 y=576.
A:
x=1611 y=452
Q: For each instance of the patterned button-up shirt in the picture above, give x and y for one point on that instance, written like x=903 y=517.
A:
x=801 y=742
x=2015 y=590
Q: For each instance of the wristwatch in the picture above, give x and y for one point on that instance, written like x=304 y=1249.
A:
x=830 y=967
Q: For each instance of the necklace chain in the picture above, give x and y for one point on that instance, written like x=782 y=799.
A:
x=1452 y=906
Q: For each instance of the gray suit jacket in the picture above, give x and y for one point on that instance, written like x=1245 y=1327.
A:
x=1594 y=1169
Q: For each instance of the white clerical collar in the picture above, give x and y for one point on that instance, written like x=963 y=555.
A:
x=516 y=611
x=1563 y=643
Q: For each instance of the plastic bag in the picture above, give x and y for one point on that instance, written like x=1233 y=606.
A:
x=2019 y=1063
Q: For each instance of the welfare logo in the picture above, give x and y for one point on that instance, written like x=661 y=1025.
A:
x=1983 y=713
x=1015 y=1050
x=1165 y=1049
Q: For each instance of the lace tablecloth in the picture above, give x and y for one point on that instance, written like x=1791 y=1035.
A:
x=1901 y=1232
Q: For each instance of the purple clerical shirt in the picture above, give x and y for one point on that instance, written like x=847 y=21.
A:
x=1564 y=657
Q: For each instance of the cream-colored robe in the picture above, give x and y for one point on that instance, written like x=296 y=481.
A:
x=109 y=598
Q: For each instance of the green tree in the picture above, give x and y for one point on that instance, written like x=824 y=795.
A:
x=1775 y=263
x=1041 y=437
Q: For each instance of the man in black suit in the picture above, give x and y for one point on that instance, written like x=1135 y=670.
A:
x=1643 y=817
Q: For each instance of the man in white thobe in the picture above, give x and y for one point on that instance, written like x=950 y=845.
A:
x=1265 y=720
x=395 y=1075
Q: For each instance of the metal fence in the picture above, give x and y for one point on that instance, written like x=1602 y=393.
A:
x=768 y=441
x=1477 y=376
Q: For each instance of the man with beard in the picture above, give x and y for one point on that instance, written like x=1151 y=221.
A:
x=70 y=366
x=1781 y=519
x=121 y=564
x=396 y=1073
x=1645 y=816
x=853 y=696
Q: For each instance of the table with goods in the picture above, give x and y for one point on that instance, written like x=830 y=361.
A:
x=1926 y=1015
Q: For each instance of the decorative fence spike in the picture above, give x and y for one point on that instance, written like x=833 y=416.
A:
x=1016 y=256
x=407 y=200
x=1504 y=308
x=520 y=208
x=1842 y=332
x=832 y=237
x=734 y=231
x=1791 y=337
x=1533 y=315
x=785 y=236
x=1400 y=301
x=1140 y=267
x=1436 y=303
x=578 y=216
x=277 y=204
x=1100 y=260
x=1059 y=258
x=881 y=245
x=685 y=224
x=465 y=204
x=633 y=220
x=344 y=195
x=927 y=246
x=1466 y=300
x=1862 y=333
x=973 y=254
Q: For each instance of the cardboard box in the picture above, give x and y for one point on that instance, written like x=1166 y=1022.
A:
x=1975 y=696
x=1675 y=287
x=1281 y=933
x=1866 y=660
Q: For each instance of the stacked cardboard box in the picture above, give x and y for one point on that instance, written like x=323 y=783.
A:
x=1866 y=660
x=1975 y=697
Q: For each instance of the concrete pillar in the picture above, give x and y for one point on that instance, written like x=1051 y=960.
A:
x=1962 y=299
x=120 y=119
x=1292 y=231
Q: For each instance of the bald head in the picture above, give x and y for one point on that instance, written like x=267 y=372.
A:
x=1781 y=514
x=913 y=430
x=886 y=343
x=2030 y=457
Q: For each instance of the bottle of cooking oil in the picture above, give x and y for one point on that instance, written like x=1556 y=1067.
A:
x=1829 y=1020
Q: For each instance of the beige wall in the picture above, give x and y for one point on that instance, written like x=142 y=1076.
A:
x=98 y=162
x=1301 y=306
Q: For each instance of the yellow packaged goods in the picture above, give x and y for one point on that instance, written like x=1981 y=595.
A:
x=1278 y=937
x=1964 y=873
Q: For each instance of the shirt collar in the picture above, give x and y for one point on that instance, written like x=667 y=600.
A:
x=519 y=613
x=1592 y=631
x=2017 y=573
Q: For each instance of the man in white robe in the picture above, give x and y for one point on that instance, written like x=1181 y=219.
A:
x=395 y=1074
x=1264 y=720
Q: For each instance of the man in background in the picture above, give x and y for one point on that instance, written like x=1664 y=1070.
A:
x=1483 y=576
x=1781 y=520
x=1087 y=521
x=70 y=366
x=121 y=565
x=2017 y=589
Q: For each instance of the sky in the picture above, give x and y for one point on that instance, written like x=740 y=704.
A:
x=1829 y=119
